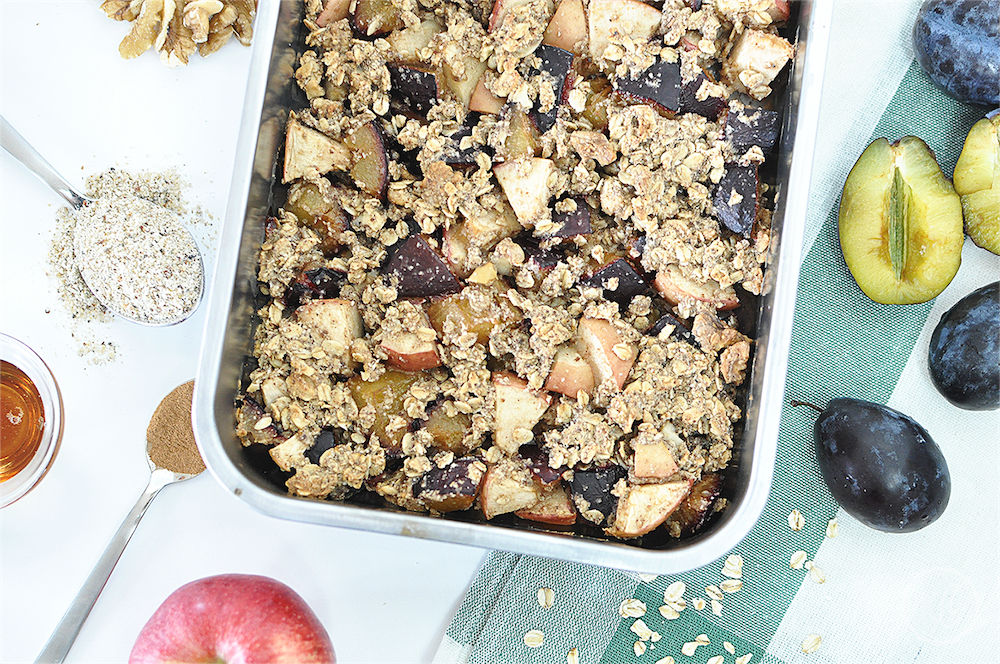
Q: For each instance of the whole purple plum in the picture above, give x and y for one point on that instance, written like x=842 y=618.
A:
x=957 y=44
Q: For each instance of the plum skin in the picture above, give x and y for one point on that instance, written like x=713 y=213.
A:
x=964 y=352
x=955 y=43
x=881 y=466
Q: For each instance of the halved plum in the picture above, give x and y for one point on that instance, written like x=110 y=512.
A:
x=900 y=223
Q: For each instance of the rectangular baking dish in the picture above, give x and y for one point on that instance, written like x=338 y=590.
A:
x=228 y=335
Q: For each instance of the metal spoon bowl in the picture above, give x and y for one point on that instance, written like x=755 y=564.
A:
x=69 y=626
x=21 y=150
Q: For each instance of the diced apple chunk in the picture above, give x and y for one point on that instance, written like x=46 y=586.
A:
x=463 y=86
x=755 y=60
x=508 y=487
x=410 y=351
x=554 y=507
x=626 y=18
x=568 y=27
x=525 y=183
x=334 y=323
x=674 y=286
x=484 y=101
x=570 y=373
x=310 y=151
x=518 y=410
x=408 y=42
x=646 y=506
x=602 y=346
x=653 y=461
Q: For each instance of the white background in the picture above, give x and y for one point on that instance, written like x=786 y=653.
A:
x=64 y=87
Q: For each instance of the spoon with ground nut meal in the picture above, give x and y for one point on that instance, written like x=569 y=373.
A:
x=135 y=256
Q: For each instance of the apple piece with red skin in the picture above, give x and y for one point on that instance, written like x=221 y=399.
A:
x=333 y=11
x=525 y=183
x=310 y=151
x=508 y=486
x=234 y=618
x=629 y=18
x=408 y=42
x=780 y=11
x=646 y=506
x=568 y=27
x=369 y=158
x=659 y=85
x=570 y=373
x=518 y=407
x=463 y=86
x=554 y=507
x=408 y=351
x=600 y=343
x=484 y=101
x=673 y=286
x=737 y=198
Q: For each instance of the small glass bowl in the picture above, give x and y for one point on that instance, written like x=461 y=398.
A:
x=25 y=359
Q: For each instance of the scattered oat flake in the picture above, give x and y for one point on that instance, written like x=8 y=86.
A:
x=797 y=560
x=816 y=574
x=573 y=656
x=632 y=608
x=832 y=528
x=648 y=578
x=811 y=643
x=699 y=604
x=733 y=567
x=689 y=648
x=702 y=640
x=796 y=521
x=666 y=660
x=718 y=659
x=640 y=629
x=639 y=647
x=731 y=585
x=669 y=612
x=546 y=596
x=730 y=648
x=534 y=638
x=714 y=592
x=743 y=659
x=674 y=591
x=716 y=607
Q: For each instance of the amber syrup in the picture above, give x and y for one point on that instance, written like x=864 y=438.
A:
x=22 y=420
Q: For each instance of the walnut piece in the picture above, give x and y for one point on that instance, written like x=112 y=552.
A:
x=178 y=28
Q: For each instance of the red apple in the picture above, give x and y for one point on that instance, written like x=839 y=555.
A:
x=602 y=346
x=233 y=618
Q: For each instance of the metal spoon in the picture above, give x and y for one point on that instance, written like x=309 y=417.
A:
x=21 y=150
x=66 y=631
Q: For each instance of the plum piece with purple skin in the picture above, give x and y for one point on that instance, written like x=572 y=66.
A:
x=420 y=270
x=623 y=275
x=456 y=156
x=414 y=89
x=537 y=461
x=319 y=284
x=710 y=107
x=748 y=127
x=659 y=85
x=556 y=63
x=736 y=198
x=591 y=491
x=679 y=330
x=573 y=223
x=326 y=440
x=453 y=487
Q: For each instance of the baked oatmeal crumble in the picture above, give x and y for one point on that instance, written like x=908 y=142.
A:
x=525 y=288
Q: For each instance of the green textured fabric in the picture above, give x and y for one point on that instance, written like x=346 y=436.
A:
x=843 y=344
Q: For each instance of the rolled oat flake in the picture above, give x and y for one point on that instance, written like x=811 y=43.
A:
x=138 y=259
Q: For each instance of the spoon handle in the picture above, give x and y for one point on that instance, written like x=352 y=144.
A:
x=20 y=149
x=66 y=631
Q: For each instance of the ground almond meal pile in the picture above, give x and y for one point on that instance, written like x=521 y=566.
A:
x=507 y=273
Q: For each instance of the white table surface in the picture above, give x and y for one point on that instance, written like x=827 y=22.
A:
x=66 y=90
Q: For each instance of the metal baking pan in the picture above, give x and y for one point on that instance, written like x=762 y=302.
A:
x=228 y=335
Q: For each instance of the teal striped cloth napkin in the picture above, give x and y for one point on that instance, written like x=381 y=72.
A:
x=860 y=596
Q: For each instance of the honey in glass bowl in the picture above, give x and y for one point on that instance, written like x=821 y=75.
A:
x=22 y=420
x=31 y=419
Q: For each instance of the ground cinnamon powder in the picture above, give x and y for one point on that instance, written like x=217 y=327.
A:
x=170 y=435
